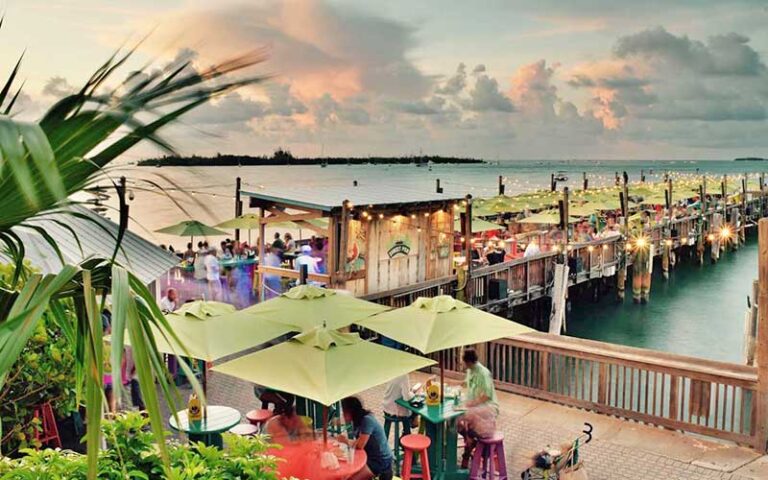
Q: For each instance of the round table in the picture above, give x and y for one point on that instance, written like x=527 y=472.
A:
x=302 y=460
x=217 y=419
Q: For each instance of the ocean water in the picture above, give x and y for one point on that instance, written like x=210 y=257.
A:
x=696 y=312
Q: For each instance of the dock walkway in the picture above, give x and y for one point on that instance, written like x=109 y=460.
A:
x=621 y=449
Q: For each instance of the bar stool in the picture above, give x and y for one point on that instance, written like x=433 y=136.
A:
x=245 y=430
x=415 y=444
x=488 y=453
x=258 y=417
x=395 y=420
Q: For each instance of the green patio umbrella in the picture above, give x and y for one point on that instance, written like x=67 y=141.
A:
x=247 y=221
x=441 y=323
x=208 y=331
x=323 y=365
x=305 y=307
x=192 y=229
x=478 y=225
x=437 y=324
x=547 y=217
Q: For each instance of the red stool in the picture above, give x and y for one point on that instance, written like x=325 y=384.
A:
x=258 y=417
x=49 y=433
x=489 y=453
x=415 y=444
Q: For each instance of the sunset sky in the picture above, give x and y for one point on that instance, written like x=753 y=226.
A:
x=507 y=79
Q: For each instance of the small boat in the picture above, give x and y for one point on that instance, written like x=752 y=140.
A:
x=561 y=177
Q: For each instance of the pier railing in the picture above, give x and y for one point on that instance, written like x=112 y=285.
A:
x=657 y=388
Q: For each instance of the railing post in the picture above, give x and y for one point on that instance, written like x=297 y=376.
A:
x=673 y=401
x=602 y=384
x=761 y=434
x=544 y=371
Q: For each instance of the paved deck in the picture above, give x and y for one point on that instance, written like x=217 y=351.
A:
x=620 y=450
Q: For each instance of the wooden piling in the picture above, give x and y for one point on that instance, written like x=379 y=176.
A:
x=621 y=271
x=501 y=185
x=761 y=407
x=714 y=237
x=238 y=205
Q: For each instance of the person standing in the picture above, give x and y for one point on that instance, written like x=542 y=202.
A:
x=272 y=285
x=212 y=274
x=290 y=245
x=278 y=244
x=481 y=405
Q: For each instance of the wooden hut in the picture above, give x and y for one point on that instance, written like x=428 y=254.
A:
x=378 y=238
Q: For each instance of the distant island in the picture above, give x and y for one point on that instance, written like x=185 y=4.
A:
x=750 y=159
x=284 y=157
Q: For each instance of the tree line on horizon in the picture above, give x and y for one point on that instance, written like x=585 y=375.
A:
x=284 y=157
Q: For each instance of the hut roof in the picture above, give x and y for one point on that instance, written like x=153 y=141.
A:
x=330 y=197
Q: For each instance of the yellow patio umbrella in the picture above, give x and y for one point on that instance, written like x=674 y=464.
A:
x=305 y=307
x=323 y=365
x=437 y=324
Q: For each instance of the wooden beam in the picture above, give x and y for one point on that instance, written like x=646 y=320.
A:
x=289 y=273
x=761 y=349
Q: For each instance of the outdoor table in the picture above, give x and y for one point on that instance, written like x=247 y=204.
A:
x=302 y=460
x=237 y=262
x=218 y=419
x=440 y=425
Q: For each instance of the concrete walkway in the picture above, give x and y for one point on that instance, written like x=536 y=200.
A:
x=620 y=450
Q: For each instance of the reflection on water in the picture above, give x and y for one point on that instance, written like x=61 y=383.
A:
x=699 y=311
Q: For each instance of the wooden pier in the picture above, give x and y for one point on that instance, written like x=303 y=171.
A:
x=517 y=282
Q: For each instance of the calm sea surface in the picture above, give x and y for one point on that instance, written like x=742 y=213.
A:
x=696 y=312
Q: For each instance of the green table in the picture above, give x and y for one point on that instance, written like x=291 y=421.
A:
x=218 y=419
x=440 y=426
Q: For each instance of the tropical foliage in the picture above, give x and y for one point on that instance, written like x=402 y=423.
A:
x=43 y=373
x=131 y=454
x=41 y=165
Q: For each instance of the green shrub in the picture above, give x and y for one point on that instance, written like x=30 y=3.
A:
x=131 y=455
x=43 y=373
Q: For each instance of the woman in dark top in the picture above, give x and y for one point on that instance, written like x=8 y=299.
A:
x=369 y=437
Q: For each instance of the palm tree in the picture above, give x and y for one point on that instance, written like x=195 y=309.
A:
x=41 y=165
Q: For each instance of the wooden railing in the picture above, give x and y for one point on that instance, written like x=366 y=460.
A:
x=402 y=297
x=657 y=388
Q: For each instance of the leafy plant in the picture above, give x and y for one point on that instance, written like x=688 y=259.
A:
x=133 y=455
x=41 y=165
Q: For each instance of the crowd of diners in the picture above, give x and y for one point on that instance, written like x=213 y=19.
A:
x=515 y=239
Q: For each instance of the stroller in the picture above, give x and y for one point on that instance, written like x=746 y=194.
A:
x=549 y=464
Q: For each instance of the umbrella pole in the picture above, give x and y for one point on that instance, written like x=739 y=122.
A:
x=325 y=425
x=442 y=376
x=205 y=390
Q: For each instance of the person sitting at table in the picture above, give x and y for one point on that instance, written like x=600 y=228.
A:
x=481 y=405
x=285 y=425
x=398 y=389
x=369 y=437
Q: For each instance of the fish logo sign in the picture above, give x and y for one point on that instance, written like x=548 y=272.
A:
x=400 y=247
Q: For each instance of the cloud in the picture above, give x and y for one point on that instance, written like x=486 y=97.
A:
x=431 y=106
x=727 y=54
x=316 y=46
x=533 y=91
x=487 y=97
x=455 y=84
x=327 y=110
x=58 y=87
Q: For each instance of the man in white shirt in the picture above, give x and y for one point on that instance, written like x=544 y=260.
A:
x=170 y=301
x=532 y=248
x=398 y=389
x=306 y=258
x=212 y=270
